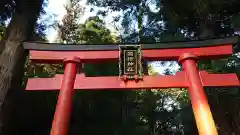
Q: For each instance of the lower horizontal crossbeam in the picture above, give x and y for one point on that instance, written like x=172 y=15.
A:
x=148 y=82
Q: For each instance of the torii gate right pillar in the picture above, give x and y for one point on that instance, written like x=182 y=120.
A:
x=201 y=109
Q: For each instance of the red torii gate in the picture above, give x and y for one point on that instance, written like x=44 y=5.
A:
x=187 y=53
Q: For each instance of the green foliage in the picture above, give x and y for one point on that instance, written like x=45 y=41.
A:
x=2 y=29
x=94 y=31
x=161 y=111
x=67 y=29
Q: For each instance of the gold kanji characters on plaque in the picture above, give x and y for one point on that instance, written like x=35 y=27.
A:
x=130 y=61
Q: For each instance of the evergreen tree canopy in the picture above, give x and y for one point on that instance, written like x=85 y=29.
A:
x=153 y=112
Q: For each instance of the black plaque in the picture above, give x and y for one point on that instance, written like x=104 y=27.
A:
x=130 y=61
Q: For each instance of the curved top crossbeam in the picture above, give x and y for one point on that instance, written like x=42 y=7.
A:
x=56 y=53
x=101 y=47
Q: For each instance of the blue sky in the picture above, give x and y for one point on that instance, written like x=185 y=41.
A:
x=57 y=11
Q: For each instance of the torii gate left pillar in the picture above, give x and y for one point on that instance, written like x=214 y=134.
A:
x=64 y=104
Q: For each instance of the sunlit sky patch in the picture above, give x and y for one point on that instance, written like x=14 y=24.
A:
x=56 y=10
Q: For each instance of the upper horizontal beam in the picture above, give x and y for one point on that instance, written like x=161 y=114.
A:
x=210 y=52
x=149 y=82
x=160 y=45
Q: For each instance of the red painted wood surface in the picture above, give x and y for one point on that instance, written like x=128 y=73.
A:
x=156 y=54
x=201 y=109
x=64 y=104
x=111 y=82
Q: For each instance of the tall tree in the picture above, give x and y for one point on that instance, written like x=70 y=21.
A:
x=12 y=56
x=201 y=18
x=94 y=31
x=209 y=19
x=67 y=28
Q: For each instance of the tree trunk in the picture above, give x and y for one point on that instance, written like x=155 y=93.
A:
x=12 y=57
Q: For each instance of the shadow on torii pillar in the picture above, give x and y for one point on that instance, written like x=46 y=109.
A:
x=130 y=58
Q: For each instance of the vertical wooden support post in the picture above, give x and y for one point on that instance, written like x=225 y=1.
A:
x=64 y=104
x=201 y=109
